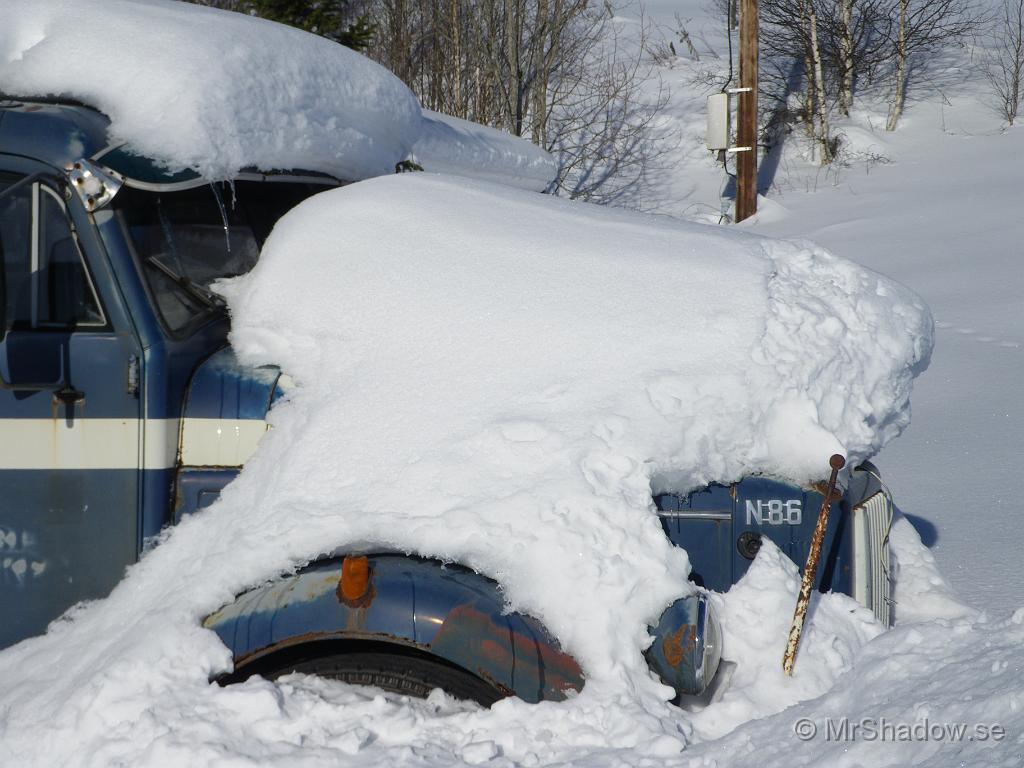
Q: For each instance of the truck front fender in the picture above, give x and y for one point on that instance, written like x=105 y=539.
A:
x=408 y=603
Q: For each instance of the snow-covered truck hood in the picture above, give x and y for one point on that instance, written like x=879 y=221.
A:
x=491 y=377
x=213 y=92
x=494 y=377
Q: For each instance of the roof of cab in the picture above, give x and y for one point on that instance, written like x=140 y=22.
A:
x=54 y=132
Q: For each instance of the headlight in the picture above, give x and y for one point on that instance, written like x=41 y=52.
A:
x=687 y=645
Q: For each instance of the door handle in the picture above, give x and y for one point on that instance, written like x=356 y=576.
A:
x=69 y=396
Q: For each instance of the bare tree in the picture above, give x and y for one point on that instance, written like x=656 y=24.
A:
x=924 y=26
x=602 y=129
x=855 y=36
x=818 y=78
x=790 y=32
x=553 y=71
x=1004 y=61
x=845 y=56
x=830 y=45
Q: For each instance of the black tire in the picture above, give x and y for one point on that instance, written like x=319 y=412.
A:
x=400 y=673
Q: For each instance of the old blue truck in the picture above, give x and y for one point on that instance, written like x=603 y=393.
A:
x=124 y=409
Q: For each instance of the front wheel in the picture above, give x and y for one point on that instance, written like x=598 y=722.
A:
x=404 y=674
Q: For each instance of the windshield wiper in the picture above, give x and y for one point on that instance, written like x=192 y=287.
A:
x=187 y=284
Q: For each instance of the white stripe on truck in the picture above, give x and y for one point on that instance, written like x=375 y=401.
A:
x=84 y=443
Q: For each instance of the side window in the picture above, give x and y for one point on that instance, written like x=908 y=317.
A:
x=66 y=297
x=16 y=247
x=48 y=285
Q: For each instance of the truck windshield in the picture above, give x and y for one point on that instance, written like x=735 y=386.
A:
x=187 y=239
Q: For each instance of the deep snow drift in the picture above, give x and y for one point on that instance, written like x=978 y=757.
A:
x=520 y=366
x=453 y=146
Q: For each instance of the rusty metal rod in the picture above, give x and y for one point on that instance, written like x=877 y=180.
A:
x=837 y=462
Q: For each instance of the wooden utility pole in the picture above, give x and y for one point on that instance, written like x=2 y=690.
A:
x=746 y=129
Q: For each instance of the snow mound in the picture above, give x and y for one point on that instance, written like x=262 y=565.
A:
x=920 y=591
x=756 y=615
x=450 y=145
x=491 y=377
x=200 y=88
x=940 y=694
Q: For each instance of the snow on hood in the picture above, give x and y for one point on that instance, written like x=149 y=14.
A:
x=204 y=89
x=491 y=377
x=450 y=145
x=201 y=88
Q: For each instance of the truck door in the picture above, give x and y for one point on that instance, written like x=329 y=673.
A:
x=69 y=418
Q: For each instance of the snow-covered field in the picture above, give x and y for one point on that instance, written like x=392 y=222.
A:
x=942 y=217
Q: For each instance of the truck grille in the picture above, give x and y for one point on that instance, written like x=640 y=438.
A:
x=871 y=583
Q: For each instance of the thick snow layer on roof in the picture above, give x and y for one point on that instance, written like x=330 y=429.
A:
x=492 y=377
x=200 y=88
x=450 y=145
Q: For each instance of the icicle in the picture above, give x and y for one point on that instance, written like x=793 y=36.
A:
x=223 y=215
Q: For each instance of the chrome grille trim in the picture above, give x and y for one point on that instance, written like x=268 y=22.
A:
x=694 y=515
x=872 y=585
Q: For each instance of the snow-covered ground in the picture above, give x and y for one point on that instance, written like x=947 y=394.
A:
x=941 y=216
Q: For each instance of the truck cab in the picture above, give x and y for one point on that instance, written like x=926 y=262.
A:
x=124 y=409
x=112 y=344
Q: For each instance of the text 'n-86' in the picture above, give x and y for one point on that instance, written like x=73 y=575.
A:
x=775 y=512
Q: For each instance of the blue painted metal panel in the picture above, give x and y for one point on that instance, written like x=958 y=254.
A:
x=223 y=388
x=199 y=487
x=96 y=363
x=84 y=526
x=712 y=544
x=707 y=539
x=156 y=490
x=65 y=536
x=834 y=573
x=450 y=612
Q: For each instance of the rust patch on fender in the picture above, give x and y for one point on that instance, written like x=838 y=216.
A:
x=679 y=645
x=489 y=647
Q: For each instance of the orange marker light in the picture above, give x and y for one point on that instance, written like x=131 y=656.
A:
x=355 y=577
